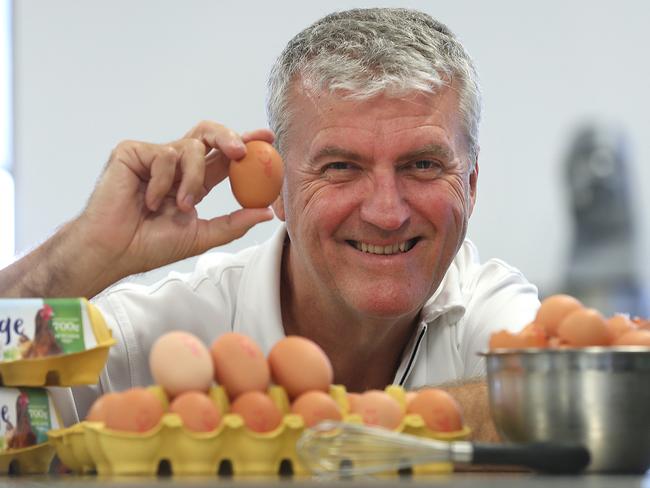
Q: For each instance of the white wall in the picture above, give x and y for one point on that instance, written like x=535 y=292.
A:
x=90 y=73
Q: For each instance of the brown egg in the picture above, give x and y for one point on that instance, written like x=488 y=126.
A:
x=557 y=343
x=197 y=411
x=239 y=364
x=377 y=407
x=439 y=410
x=101 y=406
x=584 y=327
x=138 y=410
x=180 y=362
x=503 y=339
x=353 y=400
x=409 y=397
x=640 y=337
x=553 y=310
x=532 y=335
x=618 y=325
x=259 y=412
x=316 y=406
x=300 y=365
x=256 y=179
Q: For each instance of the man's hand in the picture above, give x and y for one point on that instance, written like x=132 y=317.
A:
x=472 y=395
x=141 y=216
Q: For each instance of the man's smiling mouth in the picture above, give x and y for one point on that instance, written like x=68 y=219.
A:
x=398 y=247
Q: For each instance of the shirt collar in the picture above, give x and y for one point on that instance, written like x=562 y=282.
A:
x=446 y=302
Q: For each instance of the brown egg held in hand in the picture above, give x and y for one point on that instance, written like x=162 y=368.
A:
x=316 y=406
x=439 y=410
x=138 y=410
x=378 y=408
x=256 y=179
x=180 y=362
x=584 y=327
x=197 y=411
x=258 y=410
x=239 y=364
x=553 y=310
x=300 y=365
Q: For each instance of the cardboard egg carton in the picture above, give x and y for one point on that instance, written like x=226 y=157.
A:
x=232 y=448
x=43 y=342
x=52 y=342
x=26 y=416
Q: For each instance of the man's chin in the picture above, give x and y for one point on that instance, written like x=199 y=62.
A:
x=387 y=309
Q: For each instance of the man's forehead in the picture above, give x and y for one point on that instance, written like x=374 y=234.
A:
x=323 y=105
x=325 y=121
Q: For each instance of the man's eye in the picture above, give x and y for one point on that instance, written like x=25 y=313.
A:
x=424 y=168
x=425 y=164
x=338 y=165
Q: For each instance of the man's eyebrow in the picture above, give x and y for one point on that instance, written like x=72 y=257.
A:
x=336 y=152
x=435 y=150
x=430 y=150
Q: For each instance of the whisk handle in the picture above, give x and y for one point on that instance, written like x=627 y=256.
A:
x=549 y=457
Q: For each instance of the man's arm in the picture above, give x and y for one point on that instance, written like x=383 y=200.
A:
x=140 y=216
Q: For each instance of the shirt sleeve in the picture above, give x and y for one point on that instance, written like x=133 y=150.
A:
x=499 y=298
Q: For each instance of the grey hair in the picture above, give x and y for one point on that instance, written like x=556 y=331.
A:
x=361 y=53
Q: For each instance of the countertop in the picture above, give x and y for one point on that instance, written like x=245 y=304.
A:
x=455 y=480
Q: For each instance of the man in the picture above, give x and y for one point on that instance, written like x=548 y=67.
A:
x=376 y=115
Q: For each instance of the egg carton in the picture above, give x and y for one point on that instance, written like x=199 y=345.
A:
x=34 y=459
x=232 y=448
x=27 y=415
x=76 y=368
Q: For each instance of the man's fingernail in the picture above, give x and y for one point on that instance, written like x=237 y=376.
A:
x=189 y=201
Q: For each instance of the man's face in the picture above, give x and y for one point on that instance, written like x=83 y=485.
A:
x=376 y=199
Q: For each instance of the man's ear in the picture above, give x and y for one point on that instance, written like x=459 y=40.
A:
x=278 y=206
x=473 y=179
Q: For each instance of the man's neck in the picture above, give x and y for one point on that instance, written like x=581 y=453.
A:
x=365 y=351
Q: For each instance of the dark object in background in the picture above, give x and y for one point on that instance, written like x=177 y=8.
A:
x=603 y=271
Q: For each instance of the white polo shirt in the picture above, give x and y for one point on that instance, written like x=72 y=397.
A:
x=241 y=292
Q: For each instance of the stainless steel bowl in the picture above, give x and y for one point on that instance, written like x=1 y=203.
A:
x=599 y=397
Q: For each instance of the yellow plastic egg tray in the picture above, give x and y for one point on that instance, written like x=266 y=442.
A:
x=89 y=447
x=80 y=368
x=34 y=459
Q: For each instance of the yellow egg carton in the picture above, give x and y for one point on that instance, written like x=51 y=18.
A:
x=89 y=447
x=28 y=363
x=34 y=459
x=27 y=414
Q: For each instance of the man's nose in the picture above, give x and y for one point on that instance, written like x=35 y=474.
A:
x=384 y=205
